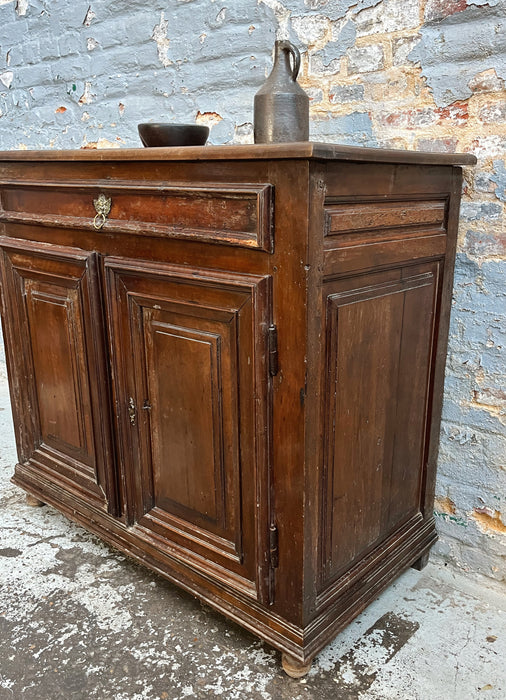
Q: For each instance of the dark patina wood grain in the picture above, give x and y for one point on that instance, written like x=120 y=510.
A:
x=235 y=374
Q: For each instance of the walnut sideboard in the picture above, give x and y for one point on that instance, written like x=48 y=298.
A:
x=228 y=362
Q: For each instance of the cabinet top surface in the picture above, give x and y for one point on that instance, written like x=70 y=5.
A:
x=281 y=151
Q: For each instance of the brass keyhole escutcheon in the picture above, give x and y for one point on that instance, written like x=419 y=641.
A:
x=102 y=206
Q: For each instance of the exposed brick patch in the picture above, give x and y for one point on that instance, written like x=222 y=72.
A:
x=444 y=504
x=159 y=35
x=101 y=143
x=401 y=47
x=493 y=112
x=457 y=113
x=442 y=145
x=407 y=119
x=315 y=94
x=6 y=78
x=388 y=16
x=490 y=396
x=21 y=7
x=436 y=10
x=311 y=29
x=489 y=146
x=486 y=81
x=366 y=59
x=489 y=520
x=484 y=244
x=346 y=93
x=89 y=17
x=208 y=118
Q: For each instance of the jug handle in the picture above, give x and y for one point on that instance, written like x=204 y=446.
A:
x=294 y=51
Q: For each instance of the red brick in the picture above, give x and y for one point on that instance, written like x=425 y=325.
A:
x=407 y=119
x=439 y=9
x=448 y=145
x=457 y=113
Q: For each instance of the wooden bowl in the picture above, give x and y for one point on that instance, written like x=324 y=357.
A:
x=173 y=134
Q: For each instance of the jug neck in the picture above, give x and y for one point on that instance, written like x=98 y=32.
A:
x=281 y=67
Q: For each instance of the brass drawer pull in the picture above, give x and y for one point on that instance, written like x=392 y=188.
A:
x=102 y=206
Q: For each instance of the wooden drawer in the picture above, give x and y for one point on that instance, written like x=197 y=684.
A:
x=231 y=214
x=363 y=234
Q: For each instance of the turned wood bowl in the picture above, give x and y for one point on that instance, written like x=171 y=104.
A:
x=173 y=134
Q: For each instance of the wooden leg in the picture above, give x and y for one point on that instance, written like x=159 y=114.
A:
x=294 y=668
x=32 y=501
x=421 y=563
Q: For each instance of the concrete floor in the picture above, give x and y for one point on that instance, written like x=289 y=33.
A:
x=78 y=620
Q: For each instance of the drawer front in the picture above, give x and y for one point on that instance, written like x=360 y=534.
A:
x=230 y=214
x=380 y=216
x=369 y=233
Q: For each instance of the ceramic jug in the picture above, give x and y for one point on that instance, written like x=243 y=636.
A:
x=281 y=107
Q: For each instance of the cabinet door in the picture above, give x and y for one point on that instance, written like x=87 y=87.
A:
x=191 y=386
x=380 y=332
x=54 y=332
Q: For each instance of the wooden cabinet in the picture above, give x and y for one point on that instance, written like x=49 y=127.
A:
x=233 y=372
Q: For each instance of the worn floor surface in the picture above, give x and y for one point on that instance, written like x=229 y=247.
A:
x=78 y=620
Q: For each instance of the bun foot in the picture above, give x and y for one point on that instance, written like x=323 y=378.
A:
x=421 y=563
x=294 y=668
x=32 y=501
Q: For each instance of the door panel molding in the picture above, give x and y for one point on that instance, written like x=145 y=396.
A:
x=189 y=357
x=59 y=376
x=379 y=355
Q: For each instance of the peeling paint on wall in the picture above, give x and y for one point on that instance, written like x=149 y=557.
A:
x=489 y=520
x=453 y=51
x=21 y=7
x=6 y=78
x=445 y=505
x=89 y=17
x=162 y=41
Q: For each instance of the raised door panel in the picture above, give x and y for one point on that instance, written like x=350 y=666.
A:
x=191 y=384
x=380 y=331
x=52 y=317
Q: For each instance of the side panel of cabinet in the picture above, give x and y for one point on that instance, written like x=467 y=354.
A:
x=53 y=323
x=190 y=374
x=380 y=330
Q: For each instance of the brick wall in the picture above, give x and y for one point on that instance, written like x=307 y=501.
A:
x=415 y=74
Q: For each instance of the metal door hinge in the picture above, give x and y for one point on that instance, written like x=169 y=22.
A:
x=131 y=411
x=273 y=546
x=273 y=350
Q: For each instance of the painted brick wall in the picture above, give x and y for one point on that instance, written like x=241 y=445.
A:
x=415 y=74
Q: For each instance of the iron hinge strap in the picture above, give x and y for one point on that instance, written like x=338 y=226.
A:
x=273 y=350
x=273 y=546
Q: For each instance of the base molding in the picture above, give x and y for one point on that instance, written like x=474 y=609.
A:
x=299 y=645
